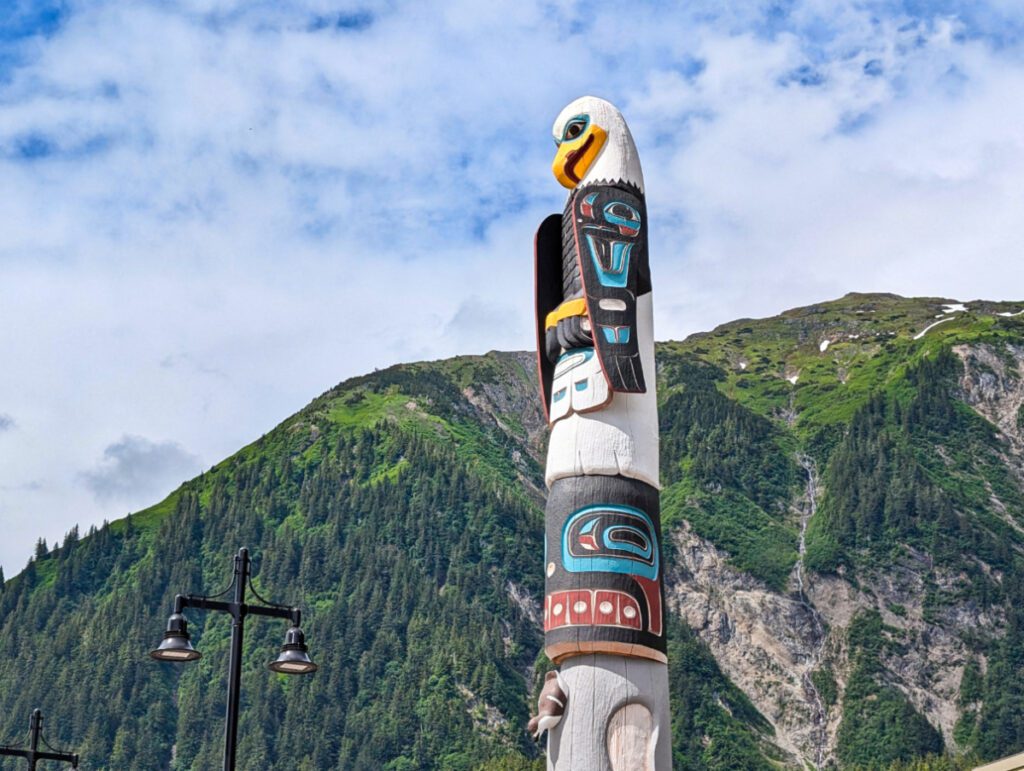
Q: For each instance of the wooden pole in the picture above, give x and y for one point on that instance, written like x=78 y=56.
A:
x=608 y=708
x=617 y=716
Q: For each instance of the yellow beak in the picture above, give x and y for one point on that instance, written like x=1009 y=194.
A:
x=574 y=157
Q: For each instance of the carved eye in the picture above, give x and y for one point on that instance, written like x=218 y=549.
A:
x=575 y=128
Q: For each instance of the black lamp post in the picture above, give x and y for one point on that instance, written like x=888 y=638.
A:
x=33 y=754
x=177 y=646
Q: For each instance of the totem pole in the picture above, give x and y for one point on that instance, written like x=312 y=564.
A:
x=606 y=709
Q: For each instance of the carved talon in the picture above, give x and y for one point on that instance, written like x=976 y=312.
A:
x=550 y=705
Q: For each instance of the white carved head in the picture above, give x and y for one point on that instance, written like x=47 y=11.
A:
x=594 y=144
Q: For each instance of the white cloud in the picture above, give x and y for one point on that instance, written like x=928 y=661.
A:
x=232 y=207
x=134 y=470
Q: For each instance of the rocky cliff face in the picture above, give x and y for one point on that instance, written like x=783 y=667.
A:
x=993 y=384
x=766 y=642
x=772 y=644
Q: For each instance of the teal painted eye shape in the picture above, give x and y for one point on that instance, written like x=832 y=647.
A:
x=575 y=128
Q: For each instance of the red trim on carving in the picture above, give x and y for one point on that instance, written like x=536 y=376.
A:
x=573 y=157
x=592 y=615
x=652 y=591
x=539 y=323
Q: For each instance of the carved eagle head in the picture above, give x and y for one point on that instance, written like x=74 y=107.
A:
x=594 y=144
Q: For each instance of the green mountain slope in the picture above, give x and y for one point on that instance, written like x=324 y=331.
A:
x=845 y=528
x=404 y=510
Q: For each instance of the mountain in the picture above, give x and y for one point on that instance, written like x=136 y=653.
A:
x=846 y=488
x=843 y=497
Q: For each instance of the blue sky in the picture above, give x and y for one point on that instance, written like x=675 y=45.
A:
x=215 y=211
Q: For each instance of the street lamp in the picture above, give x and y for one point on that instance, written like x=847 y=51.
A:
x=176 y=645
x=33 y=754
x=294 y=656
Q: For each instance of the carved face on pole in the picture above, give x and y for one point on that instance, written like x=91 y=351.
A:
x=581 y=141
x=594 y=145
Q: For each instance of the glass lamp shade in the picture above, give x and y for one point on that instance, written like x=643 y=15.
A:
x=294 y=657
x=176 y=645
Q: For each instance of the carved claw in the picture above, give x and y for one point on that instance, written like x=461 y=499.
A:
x=550 y=706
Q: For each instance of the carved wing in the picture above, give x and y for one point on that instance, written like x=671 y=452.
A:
x=547 y=274
x=611 y=246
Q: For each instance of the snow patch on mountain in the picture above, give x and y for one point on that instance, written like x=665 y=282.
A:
x=924 y=331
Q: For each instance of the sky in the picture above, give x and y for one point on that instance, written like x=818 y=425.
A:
x=214 y=211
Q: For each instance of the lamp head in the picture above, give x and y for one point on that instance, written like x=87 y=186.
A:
x=176 y=645
x=294 y=657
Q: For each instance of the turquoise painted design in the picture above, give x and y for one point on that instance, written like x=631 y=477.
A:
x=616 y=335
x=615 y=543
x=616 y=273
x=610 y=538
x=559 y=395
x=582 y=385
x=623 y=216
x=565 y=363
